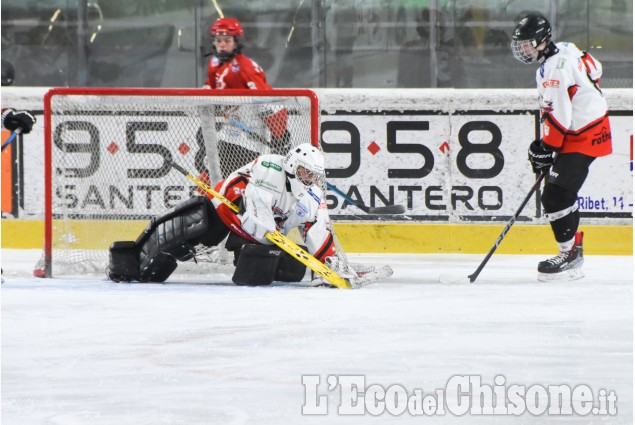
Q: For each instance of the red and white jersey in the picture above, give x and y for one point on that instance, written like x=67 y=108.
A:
x=308 y=213
x=573 y=109
x=239 y=72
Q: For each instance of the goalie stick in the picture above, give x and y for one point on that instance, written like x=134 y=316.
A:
x=447 y=278
x=388 y=209
x=276 y=237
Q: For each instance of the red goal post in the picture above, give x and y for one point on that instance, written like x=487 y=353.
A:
x=105 y=163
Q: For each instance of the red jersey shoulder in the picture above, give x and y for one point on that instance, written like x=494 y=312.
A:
x=240 y=72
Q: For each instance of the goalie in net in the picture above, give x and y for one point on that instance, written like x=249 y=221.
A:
x=274 y=192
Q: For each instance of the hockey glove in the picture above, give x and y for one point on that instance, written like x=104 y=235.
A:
x=12 y=120
x=540 y=156
x=257 y=220
x=341 y=268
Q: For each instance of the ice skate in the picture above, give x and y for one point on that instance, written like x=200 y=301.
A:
x=564 y=266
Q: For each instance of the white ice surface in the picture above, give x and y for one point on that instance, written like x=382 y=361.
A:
x=88 y=351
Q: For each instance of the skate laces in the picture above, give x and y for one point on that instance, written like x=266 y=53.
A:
x=559 y=259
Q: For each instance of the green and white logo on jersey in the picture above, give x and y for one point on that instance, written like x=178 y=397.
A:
x=271 y=165
x=266 y=184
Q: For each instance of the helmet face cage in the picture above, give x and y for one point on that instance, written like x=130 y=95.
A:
x=306 y=164
x=531 y=32
x=308 y=177
x=524 y=50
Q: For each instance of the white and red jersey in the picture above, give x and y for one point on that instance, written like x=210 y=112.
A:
x=308 y=213
x=573 y=109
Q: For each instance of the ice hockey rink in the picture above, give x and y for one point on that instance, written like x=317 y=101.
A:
x=84 y=350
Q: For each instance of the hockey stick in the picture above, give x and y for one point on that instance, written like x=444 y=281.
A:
x=249 y=131
x=446 y=278
x=12 y=137
x=276 y=237
x=388 y=209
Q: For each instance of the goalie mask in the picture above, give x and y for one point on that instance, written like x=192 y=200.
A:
x=531 y=32
x=304 y=165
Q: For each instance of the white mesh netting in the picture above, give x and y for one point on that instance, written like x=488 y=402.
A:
x=109 y=161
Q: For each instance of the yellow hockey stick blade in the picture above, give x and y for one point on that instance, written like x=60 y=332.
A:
x=307 y=259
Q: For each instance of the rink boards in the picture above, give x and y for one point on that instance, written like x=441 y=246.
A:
x=456 y=159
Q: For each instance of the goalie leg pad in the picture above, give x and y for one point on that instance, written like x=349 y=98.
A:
x=257 y=265
x=194 y=221
x=157 y=268
x=155 y=264
x=123 y=264
x=290 y=269
x=129 y=262
x=168 y=238
x=262 y=264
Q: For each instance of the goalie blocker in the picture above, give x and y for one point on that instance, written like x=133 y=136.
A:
x=172 y=237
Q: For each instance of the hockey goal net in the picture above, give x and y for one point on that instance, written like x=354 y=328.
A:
x=108 y=153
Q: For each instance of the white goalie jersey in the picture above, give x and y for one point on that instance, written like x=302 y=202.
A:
x=268 y=200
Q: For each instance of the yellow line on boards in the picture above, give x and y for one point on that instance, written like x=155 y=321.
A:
x=391 y=237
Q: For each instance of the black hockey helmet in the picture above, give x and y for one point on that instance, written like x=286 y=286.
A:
x=532 y=30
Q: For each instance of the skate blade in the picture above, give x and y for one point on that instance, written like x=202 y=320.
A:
x=567 y=275
x=450 y=279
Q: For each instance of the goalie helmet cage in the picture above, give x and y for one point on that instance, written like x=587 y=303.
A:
x=106 y=173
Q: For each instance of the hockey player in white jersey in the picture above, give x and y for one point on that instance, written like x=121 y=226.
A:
x=280 y=193
x=274 y=192
x=575 y=131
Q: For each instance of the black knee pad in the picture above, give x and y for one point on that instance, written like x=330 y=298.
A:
x=556 y=198
x=262 y=264
x=564 y=228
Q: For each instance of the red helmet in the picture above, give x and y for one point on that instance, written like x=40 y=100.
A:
x=227 y=26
